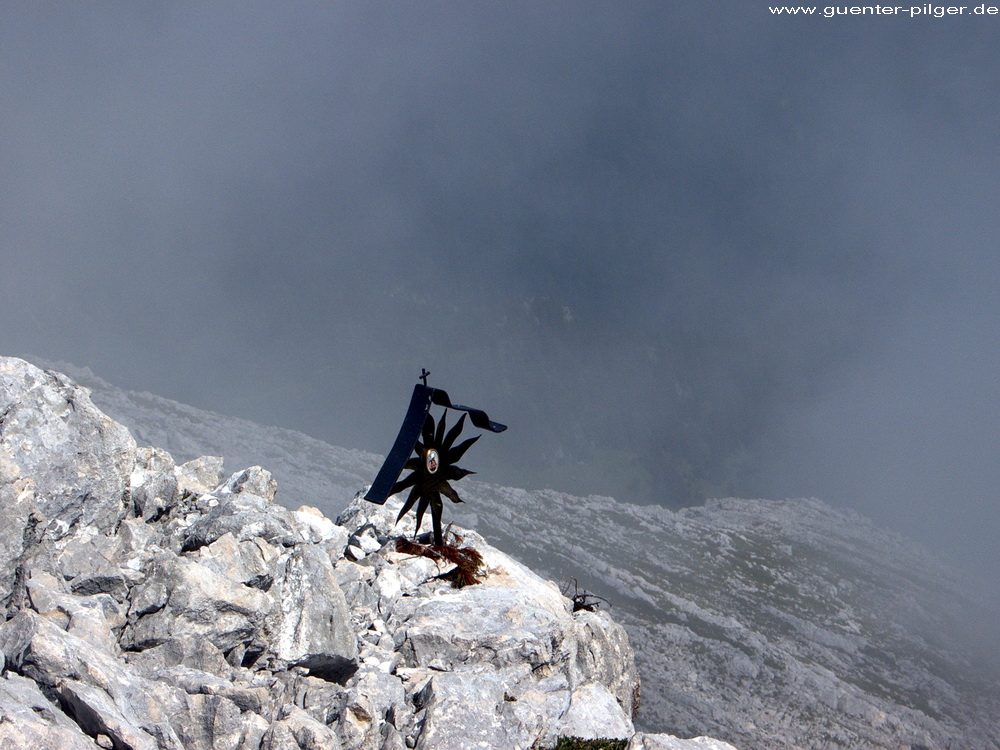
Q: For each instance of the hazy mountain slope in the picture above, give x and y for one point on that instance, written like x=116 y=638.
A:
x=768 y=624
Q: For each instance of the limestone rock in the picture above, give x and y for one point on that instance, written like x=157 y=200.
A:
x=102 y=696
x=604 y=655
x=297 y=730
x=30 y=719
x=153 y=482
x=464 y=710
x=200 y=475
x=643 y=741
x=370 y=709
x=315 y=527
x=60 y=458
x=505 y=663
x=183 y=598
x=308 y=623
x=252 y=562
x=194 y=653
x=244 y=515
x=593 y=712
x=153 y=606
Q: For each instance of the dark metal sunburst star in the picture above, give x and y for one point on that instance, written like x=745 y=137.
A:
x=432 y=470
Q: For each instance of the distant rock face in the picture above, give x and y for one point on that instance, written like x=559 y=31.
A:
x=149 y=605
x=772 y=624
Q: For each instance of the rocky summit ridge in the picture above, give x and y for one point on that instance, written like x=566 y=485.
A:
x=766 y=623
x=149 y=604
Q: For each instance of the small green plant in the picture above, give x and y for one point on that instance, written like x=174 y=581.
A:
x=577 y=743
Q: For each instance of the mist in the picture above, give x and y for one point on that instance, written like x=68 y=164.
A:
x=684 y=250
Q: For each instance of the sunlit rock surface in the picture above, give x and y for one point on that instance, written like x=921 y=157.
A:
x=770 y=624
x=161 y=604
x=504 y=663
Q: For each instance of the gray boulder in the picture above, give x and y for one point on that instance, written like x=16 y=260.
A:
x=183 y=598
x=30 y=719
x=594 y=712
x=153 y=482
x=372 y=709
x=62 y=461
x=297 y=730
x=238 y=508
x=308 y=624
x=92 y=686
x=471 y=708
x=199 y=476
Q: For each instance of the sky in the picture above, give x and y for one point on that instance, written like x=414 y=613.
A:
x=683 y=249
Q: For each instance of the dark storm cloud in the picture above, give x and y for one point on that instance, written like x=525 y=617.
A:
x=684 y=249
